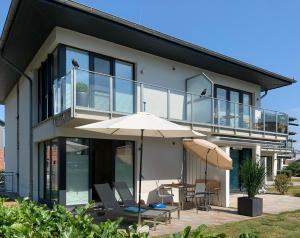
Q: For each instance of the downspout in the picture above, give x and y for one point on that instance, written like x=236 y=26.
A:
x=265 y=94
x=18 y=139
x=15 y=68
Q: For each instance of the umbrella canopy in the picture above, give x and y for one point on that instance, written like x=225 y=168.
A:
x=206 y=150
x=132 y=125
x=141 y=124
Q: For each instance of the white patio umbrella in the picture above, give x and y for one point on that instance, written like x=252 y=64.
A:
x=141 y=124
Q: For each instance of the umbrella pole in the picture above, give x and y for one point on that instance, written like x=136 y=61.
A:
x=206 y=197
x=206 y=171
x=140 y=175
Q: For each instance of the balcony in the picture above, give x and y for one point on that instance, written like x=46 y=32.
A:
x=99 y=94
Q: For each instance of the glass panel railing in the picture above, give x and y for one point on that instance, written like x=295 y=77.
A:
x=282 y=123
x=103 y=93
x=62 y=93
x=257 y=119
x=106 y=93
x=123 y=95
x=98 y=94
x=222 y=113
x=270 y=121
x=202 y=109
x=178 y=105
x=155 y=100
x=244 y=112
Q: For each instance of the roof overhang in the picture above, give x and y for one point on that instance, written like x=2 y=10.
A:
x=30 y=22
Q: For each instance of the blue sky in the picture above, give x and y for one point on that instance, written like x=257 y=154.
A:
x=263 y=33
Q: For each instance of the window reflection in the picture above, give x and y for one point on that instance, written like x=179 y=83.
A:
x=77 y=171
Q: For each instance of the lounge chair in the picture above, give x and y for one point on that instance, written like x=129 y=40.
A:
x=128 y=200
x=113 y=209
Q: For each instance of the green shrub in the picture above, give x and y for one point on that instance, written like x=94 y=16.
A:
x=286 y=172
x=282 y=183
x=29 y=219
x=294 y=167
x=199 y=232
x=252 y=177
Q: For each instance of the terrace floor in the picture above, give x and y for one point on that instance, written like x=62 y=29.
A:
x=273 y=204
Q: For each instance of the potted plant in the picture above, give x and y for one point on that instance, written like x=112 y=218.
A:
x=252 y=179
x=82 y=97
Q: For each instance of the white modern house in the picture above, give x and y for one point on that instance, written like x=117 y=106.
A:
x=123 y=68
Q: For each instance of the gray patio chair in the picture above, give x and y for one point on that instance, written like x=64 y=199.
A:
x=114 y=210
x=164 y=192
x=199 y=196
x=128 y=200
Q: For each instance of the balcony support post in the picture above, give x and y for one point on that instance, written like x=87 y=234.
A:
x=234 y=116
x=192 y=116
x=110 y=96
x=168 y=104
x=276 y=123
x=73 y=96
x=264 y=122
x=142 y=107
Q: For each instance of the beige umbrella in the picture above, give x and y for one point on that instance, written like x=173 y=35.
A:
x=206 y=150
x=141 y=124
x=210 y=153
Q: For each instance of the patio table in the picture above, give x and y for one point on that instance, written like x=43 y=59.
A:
x=181 y=188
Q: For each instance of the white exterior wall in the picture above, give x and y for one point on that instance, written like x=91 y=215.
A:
x=11 y=153
x=11 y=134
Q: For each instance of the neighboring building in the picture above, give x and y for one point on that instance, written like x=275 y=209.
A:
x=2 y=163
x=124 y=68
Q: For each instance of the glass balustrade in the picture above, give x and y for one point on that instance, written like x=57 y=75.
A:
x=106 y=93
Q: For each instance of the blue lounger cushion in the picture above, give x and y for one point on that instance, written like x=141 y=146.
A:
x=133 y=209
x=157 y=205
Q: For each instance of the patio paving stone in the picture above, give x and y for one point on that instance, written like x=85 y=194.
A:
x=273 y=204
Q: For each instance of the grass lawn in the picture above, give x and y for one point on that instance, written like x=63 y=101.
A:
x=282 y=225
x=296 y=179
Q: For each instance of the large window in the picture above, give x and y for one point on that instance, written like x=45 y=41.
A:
x=77 y=171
